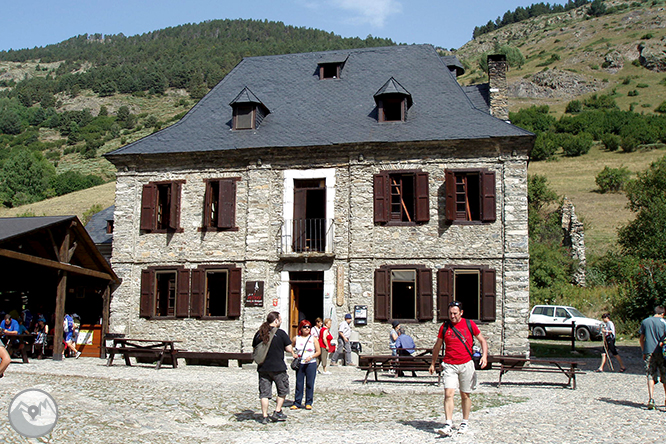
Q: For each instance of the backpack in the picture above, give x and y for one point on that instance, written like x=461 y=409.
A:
x=68 y=325
x=260 y=351
x=476 y=357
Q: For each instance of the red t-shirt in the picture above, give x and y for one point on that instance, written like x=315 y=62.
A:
x=456 y=353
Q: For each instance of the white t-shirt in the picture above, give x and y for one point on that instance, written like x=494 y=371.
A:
x=345 y=329
x=307 y=342
x=610 y=328
x=314 y=332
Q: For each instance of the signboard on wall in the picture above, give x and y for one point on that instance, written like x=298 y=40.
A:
x=254 y=293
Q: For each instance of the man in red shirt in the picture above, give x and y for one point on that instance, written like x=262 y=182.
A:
x=458 y=366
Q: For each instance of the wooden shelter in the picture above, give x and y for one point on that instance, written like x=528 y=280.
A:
x=51 y=265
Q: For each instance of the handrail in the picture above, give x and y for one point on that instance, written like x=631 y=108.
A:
x=303 y=236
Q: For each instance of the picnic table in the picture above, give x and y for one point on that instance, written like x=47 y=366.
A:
x=142 y=348
x=26 y=339
x=419 y=361
x=515 y=363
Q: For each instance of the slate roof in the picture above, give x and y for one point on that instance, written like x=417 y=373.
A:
x=11 y=227
x=307 y=111
x=97 y=225
x=479 y=95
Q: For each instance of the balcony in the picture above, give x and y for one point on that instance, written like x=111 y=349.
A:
x=306 y=239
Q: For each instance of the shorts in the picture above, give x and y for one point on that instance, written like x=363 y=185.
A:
x=462 y=376
x=610 y=343
x=655 y=368
x=266 y=380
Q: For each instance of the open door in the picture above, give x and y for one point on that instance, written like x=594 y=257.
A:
x=309 y=215
x=306 y=298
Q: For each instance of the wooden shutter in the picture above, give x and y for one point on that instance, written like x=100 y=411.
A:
x=208 y=202
x=381 y=198
x=424 y=295
x=488 y=298
x=488 y=196
x=198 y=299
x=227 y=204
x=147 y=303
x=234 y=297
x=148 y=206
x=174 y=206
x=183 y=293
x=382 y=294
x=444 y=292
x=450 y=186
x=422 y=197
x=299 y=224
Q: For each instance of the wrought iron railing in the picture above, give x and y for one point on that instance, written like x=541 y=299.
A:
x=306 y=236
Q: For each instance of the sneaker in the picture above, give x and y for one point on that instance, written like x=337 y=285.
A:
x=264 y=420
x=464 y=427
x=279 y=416
x=326 y=373
x=78 y=354
x=308 y=407
x=447 y=430
x=651 y=404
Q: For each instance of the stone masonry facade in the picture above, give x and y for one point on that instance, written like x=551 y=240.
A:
x=359 y=245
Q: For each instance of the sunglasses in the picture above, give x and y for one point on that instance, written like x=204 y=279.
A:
x=455 y=304
x=305 y=326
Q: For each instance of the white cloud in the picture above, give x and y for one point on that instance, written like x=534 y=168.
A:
x=372 y=12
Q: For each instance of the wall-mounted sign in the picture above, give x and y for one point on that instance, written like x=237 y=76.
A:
x=254 y=294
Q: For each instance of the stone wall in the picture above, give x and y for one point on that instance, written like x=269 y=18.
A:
x=360 y=246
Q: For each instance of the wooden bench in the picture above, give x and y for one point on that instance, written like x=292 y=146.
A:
x=516 y=363
x=397 y=364
x=157 y=350
x=220 y=357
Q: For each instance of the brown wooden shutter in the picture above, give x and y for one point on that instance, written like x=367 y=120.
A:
x=208 y=202
x=227 y=203
x=444 y=292
x=235 y=284
x=147 y=304
x=422 y=198
x=382 y=293
x=381 y=190
x=198 y=299
x=174 y=207
x=488 y=196
x=148 y=206
x=183 y=293
x=488 y=295
x=450 y=186
x=299 y=224
x=425 y=294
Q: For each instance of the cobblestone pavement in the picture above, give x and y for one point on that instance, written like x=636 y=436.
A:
x=197 y=404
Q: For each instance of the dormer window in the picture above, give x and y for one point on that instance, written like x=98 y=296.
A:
x=330 y=70
x=393 y=101
x=248 y=111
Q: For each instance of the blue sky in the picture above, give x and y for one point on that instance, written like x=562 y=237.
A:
x=444 y=23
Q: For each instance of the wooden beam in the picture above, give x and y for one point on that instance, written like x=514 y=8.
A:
x=55 y=264
x=61 y=294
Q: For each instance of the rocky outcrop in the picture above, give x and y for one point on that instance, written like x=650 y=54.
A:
x=613 y=62
x=554 y=83
x=653 y=55
x=574 y=240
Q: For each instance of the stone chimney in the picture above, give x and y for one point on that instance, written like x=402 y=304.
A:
x=499 y=102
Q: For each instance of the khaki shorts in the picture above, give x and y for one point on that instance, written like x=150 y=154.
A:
x=461 y=376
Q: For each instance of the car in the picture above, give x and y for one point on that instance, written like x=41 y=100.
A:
x=554 y=320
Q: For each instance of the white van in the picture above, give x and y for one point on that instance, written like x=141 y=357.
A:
x=557 y=319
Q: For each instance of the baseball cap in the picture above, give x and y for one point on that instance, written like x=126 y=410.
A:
x=347 y=316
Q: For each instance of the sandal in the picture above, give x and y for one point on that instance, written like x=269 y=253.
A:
x=598 y=371
x=622 y=370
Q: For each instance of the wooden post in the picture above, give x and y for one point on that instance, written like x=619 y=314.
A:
x=573 y=336
x=106 y=311
x=61 y=296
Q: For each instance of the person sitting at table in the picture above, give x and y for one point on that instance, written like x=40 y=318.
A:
x=405 y=346
x=41 y=332
x=10 y=328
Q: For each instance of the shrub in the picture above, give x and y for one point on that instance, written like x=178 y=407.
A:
x=576 y=145
x=612 y=179
x=661 y=108
x=632 y=93
x=611 y=141
x=575 y=106
x=71 y=181
x=629 y=144
x=545 y=146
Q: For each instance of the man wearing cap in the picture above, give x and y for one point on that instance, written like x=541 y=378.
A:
x=344 y=335
x=458 y=335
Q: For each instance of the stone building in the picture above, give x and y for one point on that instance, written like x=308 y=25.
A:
x=363 y=181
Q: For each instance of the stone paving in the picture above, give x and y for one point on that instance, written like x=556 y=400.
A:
x=197 y=404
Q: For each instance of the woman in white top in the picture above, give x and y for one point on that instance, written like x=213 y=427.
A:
x=608 y=332
x=306 y=348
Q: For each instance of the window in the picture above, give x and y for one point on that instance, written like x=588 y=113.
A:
x=474 y=286
x=470 y=195
x=164 y=292
x=330 y=70
x=392 y=109
x=403 y=293
x=160 y=206
x=220 y=205
x=401 y=197
x=109 y=226
x=244 y=116
x=216 y=291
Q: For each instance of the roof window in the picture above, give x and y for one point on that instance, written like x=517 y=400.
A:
x=248 y=111
x=393 y=101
